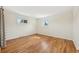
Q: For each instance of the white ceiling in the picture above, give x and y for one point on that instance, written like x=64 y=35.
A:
x=38 y=11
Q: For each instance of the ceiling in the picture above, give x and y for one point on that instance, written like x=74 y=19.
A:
x=38 y=11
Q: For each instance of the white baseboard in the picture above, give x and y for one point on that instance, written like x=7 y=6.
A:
x=17 y=36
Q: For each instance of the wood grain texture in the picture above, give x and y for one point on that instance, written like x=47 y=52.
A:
x=38 y=43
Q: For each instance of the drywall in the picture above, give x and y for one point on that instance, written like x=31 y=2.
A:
x=14 y=30
x=59 y=25
x=38 y=11
x=76 y=26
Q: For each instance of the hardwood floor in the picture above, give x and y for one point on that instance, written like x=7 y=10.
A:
x=38 y=43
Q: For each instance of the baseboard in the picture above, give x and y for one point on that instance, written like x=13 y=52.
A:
x=18 y=36
x=55 y=36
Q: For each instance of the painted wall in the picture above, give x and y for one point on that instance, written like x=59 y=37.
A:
x=14 y=30
x=59 y=25
x=76 y=26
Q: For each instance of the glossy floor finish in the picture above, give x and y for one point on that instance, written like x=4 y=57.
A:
x=38 y=43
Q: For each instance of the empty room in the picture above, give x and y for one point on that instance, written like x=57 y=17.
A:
x=39 y=29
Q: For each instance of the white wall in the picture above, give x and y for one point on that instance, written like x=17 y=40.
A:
x=76 y=26
x=59 y=25
x=14 y=30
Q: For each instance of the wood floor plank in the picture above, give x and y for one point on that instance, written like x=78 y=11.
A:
x=38 y=43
